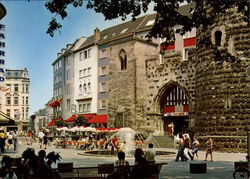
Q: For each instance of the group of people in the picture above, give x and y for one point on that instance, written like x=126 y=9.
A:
x=188 y=147
x=141 y=159
x=29 y=165
x=42 y=138
x=8 y=140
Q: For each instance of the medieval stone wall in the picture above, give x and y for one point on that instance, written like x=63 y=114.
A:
x=126 y=87
x=172 y=70
x=222 y=87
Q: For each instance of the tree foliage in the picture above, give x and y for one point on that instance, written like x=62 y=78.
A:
x=80 y=121
x=167 y=14
x=60 y=123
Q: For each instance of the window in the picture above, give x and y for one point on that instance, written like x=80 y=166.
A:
x=80 y=89
x=68 y=74
x=80 y=108
x=103 y=104
x=89 y=87
x=89 y=53
x=103 y=87
x=151 y=22
x=85 y=54
x=27 y=100
x=27 y=88
x=15 y=87
x=68 y=104
x=68 y=89
x=23 y=87
x=84 y=89
x=124 y=30
x=89 y=70
x=81 y=56
x=123 y=59
x=104 y=53
x=119 y=120
x=88 y=107
x=103 y=70
x=8 y=100
x=27 y=112
x=8 y=112
x=186 y=51
x=85 y=72
x=16 y=113
x=59 y=64
x=15 y=100
x=23 y=100
x=80 y=73
x=217 y=36
x=68 y=61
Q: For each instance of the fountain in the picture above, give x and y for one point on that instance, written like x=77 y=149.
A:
x=131 y=140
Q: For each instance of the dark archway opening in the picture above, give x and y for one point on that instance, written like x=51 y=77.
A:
x=174 y=107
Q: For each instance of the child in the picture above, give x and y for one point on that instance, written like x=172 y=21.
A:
x=209 y=148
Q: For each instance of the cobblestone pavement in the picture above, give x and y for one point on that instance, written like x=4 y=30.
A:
x=221 y=168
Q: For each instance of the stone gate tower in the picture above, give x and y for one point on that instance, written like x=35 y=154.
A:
x=222 y=93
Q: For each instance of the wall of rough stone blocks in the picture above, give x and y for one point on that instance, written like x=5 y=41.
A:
x=222 y=89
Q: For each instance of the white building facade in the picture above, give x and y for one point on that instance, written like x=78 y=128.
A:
x=15 y=99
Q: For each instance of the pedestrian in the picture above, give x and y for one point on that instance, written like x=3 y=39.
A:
x=40 y=138
x=140 y=170
x=194 y=147
x=114 y=144
x=139 y=157
x=2 y=140
x=209 y=148
x=187 y=146
x=9 y=140
x=180 y=144
x=45 y=140
x=14 y=134
x=29 y=138
x=122 y=166
x=150 y=154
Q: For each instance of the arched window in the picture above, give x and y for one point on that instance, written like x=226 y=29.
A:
x=84 y=88
x=89 y=87
x=8 y=99
x=80 y=89
x=123 y=59
x=217 y=36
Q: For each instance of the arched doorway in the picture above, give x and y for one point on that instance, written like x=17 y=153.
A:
x=174 y=106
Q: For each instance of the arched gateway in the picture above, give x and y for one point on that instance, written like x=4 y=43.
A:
x=172 y=100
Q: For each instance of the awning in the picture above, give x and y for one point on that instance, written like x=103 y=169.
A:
x=53 y=122
x=102 y=118
x=107 y=129
x=86 y=116
x=6 y=120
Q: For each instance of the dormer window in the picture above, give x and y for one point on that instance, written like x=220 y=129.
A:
x=151 y=22
x=124 y=30
x=217 y=36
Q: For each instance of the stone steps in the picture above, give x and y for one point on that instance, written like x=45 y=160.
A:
x=165 y=141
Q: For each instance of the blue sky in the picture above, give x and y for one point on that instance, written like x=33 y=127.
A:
x=28 y=45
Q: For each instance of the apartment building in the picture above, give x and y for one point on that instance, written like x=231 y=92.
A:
x=15 y=98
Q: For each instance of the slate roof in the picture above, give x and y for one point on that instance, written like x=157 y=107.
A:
x=139 y=25
x=14 y=73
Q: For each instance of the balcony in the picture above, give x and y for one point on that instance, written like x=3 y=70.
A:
x=84 y=96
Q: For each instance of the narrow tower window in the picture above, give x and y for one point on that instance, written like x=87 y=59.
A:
x=217 y=36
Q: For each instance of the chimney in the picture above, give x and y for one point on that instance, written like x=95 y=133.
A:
x=97 y=34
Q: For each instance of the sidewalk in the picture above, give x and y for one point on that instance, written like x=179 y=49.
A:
x=221 y=168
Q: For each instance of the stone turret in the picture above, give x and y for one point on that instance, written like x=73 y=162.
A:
x=222 y=86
